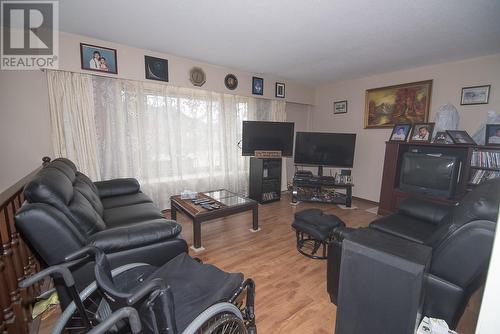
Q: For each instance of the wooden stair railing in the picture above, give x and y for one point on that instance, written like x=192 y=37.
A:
x=16 y=263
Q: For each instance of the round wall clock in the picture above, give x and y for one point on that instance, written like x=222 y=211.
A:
x=197 y=76
x=231 y=81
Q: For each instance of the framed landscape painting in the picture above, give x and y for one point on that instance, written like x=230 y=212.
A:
x=406 y=103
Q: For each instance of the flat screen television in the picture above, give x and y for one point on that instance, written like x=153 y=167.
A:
x=433 y=175
x=325 y=149
x=267 y=136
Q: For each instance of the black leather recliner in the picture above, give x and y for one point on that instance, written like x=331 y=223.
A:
x=461 y=238
x=65 y=211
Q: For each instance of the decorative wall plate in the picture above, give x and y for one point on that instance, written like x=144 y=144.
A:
x=231 y=81
x=197 y=76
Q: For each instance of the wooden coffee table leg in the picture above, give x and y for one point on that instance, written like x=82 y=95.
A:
x=255 y=219
x=197 y=233
x=173 y=213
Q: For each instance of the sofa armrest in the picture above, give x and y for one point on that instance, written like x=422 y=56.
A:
x=135 y=235
x=117 y=187
x=431 y=212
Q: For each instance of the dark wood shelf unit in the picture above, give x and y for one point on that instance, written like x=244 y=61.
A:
x=265 y=179
x=391 y=195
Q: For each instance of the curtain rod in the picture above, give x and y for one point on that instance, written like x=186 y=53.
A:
x=44 y=70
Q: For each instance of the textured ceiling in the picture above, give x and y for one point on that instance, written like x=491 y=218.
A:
x=310 y=41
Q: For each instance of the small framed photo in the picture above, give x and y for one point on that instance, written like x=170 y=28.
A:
x=475 y=95
x=492 y=134
x=400 y=132
x=422 y=132
x=442 y=138
x=156 y=68
x=460 y=137
x=98 y=58
x=257 y=86
x=280 y=90
x=340 y=107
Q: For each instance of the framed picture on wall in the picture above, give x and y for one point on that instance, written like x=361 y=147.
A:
x=98 y=58
x=280 y=90
x=340 y=107
x=257 y=86
x=475 y=95
x=405 y=103
x=156 y=68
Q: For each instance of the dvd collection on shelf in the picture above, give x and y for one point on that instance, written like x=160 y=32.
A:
x=487 y=159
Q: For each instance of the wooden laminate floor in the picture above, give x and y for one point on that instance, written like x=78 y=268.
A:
x=291 y=292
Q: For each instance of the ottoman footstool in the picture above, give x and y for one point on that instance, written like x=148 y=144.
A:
x=314 y=230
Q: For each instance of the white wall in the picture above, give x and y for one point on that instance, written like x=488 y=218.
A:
x=448 y=78
x=24 y=110
x=24 y=124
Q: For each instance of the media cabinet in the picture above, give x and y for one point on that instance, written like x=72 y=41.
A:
x=477 y=163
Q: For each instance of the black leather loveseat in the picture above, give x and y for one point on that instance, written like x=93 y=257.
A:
x=65 y=211
x=461 y=238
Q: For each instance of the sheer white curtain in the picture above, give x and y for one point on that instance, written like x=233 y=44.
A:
x=170 y=138
x=71 y=102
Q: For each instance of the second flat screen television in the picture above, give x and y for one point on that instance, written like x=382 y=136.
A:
x=267 y=136
x=325 y=149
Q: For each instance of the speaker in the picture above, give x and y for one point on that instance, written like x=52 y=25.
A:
x=380 y=288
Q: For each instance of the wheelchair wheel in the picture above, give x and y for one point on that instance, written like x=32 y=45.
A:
x=223 y=323
x=221 y=318
x=96 y=307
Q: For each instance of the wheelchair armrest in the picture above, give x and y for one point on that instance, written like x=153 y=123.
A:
x=134 y=235
x=146 y=289
x=124 y=313
x=62 y=270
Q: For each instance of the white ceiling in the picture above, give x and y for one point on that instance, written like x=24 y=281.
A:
x=310 y=41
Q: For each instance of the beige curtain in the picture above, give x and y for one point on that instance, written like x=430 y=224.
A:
x=72 y=119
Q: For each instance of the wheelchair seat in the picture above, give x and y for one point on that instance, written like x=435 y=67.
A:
x=195 y=286
x=170 y=297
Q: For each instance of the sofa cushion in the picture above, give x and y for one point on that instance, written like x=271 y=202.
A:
x=50 y=186
x=117 y=187
x=64 y=168
x=135 y=235
x=131 y=214
x=406 y=227
x=124 y=200
x=86 y=190
x=430 y=212
x=86 y=219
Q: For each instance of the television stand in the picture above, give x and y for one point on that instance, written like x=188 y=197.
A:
x=321 y=189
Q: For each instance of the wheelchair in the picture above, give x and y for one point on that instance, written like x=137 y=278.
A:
x=183 y=296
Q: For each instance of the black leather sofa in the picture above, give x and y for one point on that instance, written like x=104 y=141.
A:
x=65 y=211
x=461 y=238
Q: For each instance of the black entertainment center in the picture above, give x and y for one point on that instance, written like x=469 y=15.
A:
x=323 y=150
x=311 y=149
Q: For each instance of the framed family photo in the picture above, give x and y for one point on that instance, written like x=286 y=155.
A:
x=406 y=103
x=340 y=107
x=422 y=132
x=492 y=134
x=400 y=132
x=98 y=58
x=475 y=95
x=460 y=137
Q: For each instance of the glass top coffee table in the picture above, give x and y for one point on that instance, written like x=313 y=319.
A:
x=229 y=202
